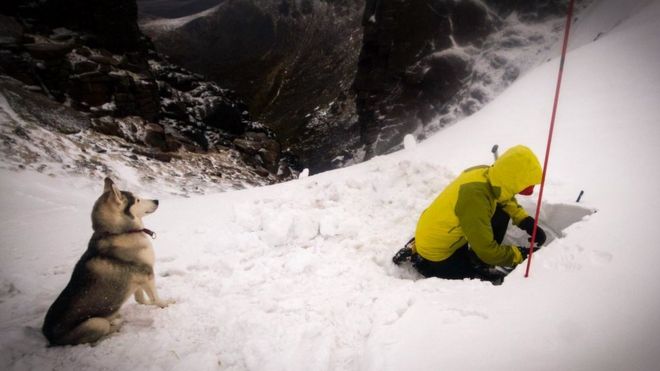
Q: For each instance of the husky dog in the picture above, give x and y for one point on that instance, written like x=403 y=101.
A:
x=118 y=263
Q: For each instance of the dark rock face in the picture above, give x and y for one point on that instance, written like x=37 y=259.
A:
x=471 y=22
x=41 y=109
x=225 y=116
x=259 y=144
x=401 y=76
x=530 y=9
x=418 y=57
x=109 y=24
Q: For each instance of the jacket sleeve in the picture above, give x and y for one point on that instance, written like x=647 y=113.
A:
x=473 y=209
x=514 y=210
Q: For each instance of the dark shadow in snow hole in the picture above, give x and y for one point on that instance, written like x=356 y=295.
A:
x=554 y=219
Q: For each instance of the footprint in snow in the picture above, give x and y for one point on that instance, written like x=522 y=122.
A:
x=33 y=333
x=565 y=262
x=7 y=289
x=59 y=270
x=172 y=272
x=399 y=311
x=198 y=267
x=166 y=259
x=456 y=315
x=599 y=257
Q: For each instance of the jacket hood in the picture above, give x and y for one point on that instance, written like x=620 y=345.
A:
x=515 y=170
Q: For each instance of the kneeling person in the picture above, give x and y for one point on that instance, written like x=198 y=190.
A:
x=460 y=234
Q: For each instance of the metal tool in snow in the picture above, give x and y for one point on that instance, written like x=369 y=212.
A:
x=494 y=151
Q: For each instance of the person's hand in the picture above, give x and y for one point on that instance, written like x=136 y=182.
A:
x=524 y=253
x=527 y=225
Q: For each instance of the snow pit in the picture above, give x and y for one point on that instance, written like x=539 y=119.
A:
x=553 y=218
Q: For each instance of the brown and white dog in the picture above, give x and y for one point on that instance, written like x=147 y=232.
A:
x=118 y=263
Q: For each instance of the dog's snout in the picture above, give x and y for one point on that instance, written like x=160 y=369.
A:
x=156 y=202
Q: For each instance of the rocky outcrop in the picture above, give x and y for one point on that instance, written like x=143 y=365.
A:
x=132 y=150
x=292 y=62
x=123 y=88
x=343 y=80
x=422 y=65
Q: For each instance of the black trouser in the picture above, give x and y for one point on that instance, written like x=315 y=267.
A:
x=464 y=263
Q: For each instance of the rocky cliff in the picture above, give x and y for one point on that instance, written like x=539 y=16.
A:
x=326 y=83
x=84 y=72
x=342 y=81
x=426 y=63
x=293 y=62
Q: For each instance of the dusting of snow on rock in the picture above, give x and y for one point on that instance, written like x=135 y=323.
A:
x=26 y=144
x=409 y=141
x=166 y=24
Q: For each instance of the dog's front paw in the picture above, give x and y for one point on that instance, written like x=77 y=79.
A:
x=164 y=303
x=140 y=297
x=115 y=325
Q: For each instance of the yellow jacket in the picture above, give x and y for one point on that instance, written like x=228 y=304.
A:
x=462 y=212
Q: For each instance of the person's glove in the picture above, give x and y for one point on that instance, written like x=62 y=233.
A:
x=527 y=225
x=524 y=253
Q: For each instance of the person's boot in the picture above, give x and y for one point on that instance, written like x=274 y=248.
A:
x=405 y=253
x=492 y=274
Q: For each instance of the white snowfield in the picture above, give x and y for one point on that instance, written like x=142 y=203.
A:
x=298 y=276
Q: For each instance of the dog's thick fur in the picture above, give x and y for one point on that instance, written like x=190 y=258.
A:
x=118 y=263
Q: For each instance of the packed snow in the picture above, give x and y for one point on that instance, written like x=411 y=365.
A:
x=298 y=276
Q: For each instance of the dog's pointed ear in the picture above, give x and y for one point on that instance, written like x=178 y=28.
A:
x=110 y=186
x=108 y=183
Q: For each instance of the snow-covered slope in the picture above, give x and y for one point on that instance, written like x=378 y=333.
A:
x=167 y=24
x=298 y=276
